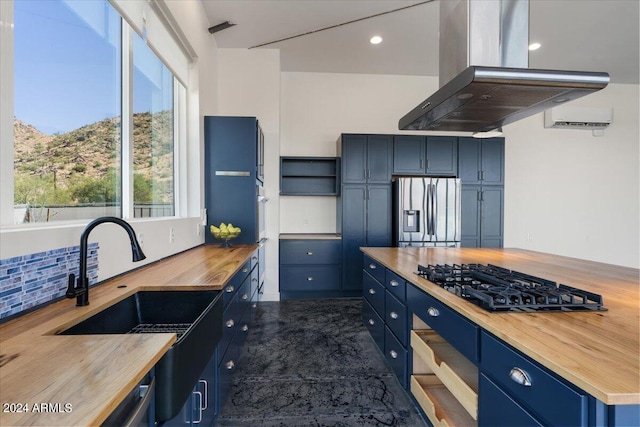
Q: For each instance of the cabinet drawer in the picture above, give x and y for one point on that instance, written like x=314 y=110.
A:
x=230 y=321
x=396 y=285
x=310 y=251
x=309 y=278
x=254 y=260
x=244 y=296
x=374 y=268
x=552 y=400
x=498 y=409
x=396 y=355
x=374 y=324
x=235 y=282
x=396 y=317
x=373 y=292
x=463 y=335
x=226 y=369
x=440 y=406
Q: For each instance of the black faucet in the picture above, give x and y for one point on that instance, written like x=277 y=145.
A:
x=80 y=290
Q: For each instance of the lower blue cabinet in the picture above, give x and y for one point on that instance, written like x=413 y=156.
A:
x=374 y=324
x=498 y=409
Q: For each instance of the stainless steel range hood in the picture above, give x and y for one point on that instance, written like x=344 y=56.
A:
x=484 y=79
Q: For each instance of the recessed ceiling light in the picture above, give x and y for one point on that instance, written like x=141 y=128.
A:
x=376 y=40
x=534 y=46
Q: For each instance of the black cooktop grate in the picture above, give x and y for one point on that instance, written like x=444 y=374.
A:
x=160 y=328
x=499 y=289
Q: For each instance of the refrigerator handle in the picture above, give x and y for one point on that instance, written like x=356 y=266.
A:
x=433 y=209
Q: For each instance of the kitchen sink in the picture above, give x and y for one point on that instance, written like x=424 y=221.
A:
x=195 y=316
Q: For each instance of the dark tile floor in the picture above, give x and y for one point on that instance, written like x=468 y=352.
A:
x=313 y=363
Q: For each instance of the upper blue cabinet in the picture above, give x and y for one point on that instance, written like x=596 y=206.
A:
x=481 y=161
x=419 y=155
x=366 y=159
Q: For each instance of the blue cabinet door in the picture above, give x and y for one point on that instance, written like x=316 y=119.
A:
x=492 y=161
x=231 y=174
x=470 y=216
x=379 y=159
x=442 y=155
x=481 y=161
x=378 y=215
x=496 y=408
x=354 y=159
x=491 y=220
x=409 y=154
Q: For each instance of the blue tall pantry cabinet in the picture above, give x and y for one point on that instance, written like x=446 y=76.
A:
x=233 y=170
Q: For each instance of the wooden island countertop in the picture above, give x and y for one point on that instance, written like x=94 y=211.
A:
x=88 y=376
x=596 y=351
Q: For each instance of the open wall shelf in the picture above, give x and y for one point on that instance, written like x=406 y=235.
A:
x=309 y=176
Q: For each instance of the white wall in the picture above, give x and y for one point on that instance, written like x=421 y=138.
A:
x=318 y=107
x=573 y=194
x=114 y=253
x=249 y=85
x=570 y=193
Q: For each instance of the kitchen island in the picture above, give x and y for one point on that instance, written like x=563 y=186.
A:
x=80 y=380
x=597 y=352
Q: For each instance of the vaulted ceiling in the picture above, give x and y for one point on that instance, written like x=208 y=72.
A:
x=585 y=35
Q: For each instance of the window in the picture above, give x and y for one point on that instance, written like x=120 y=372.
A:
x=68 y=126
x=153 y=134
x=67 y=110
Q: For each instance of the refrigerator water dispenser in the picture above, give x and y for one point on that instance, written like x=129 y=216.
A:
x=411 y=223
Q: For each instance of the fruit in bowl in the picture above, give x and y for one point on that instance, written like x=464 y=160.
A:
x=225 y=232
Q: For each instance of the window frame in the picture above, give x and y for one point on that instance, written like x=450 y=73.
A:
x=180 y=118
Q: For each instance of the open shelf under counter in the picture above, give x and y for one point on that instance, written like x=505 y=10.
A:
x=437 y=402
x=433 y=355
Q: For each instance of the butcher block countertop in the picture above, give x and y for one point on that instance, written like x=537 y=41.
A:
x=596 y=351
x=88 y=376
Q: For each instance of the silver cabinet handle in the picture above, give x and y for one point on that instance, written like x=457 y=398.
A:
x=373 y=266
x=245 y=296
x=245 y=328
x=205 y=393
x=199 y=406
x=520 y=376
x=372 y=322
x=309 y=253
x=230 y=365
x=255 y=304
x=433 y=312
x=244 y=270
x=394 y=283
x=230 y=323
x=372 y=291
x=393 y=315
x=310 y=279
x=255 y=279
x=254 y=258
x=230 y=289
x=394 y=354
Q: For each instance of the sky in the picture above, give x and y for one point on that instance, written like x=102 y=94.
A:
x=67 y=65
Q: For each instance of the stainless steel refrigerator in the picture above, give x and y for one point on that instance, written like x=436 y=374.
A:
x=426 y=212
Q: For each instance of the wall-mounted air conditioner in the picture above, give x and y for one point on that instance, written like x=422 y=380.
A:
x=570 y=117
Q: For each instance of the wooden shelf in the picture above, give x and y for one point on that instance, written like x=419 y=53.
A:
x=309 y=176
x=455 y=371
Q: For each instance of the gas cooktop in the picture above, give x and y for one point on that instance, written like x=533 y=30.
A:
x=499 y=289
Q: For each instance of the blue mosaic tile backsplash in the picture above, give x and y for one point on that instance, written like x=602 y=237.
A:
x=30 y=280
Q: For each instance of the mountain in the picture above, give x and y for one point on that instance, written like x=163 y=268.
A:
x=92 y=150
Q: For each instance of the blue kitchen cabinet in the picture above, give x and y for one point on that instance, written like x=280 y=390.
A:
x=232 y=173
x=481 y=161
x=310 y=267
x=366 y=221
x=384 y=313
x=482 y=212
x=366 y=159
x=364 y=205
x=419 y=155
